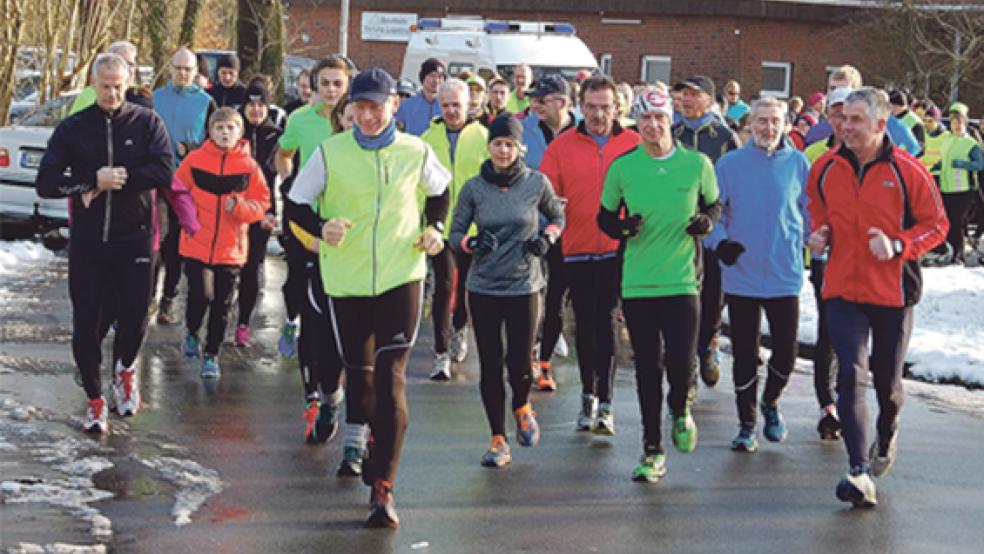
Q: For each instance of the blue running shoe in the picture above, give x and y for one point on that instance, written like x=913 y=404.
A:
x=287 y=345
x=745 y=441
x=210 y=367
x=775 y=426
x=191 y=346
x=527 y=429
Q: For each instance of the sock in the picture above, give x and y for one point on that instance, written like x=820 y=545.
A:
x=356 y=435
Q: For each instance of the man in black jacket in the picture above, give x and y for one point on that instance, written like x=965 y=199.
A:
x=116 y=154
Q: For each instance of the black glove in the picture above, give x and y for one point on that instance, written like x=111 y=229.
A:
x=631 y=225
x=538 y=246
x=484 y=243
x=699 y=225
x=728 y=251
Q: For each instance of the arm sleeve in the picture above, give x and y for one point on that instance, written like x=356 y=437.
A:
x=158 y=165
x=709 y=198
x=51 y=181
x=434 y=182
x=289 y=140
x=803 y=201
x=926 y=205
x=550 y=207
x=256 y=200
x=611 y=203
x=719 y=233
x=308 y=185
x=976 y=162
x=464 y=213
x=902 y=136
x=178 y=195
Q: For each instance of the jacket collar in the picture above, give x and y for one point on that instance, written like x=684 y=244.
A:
x=884 y=155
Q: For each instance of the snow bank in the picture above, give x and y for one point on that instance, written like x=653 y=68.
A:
x=21 y=255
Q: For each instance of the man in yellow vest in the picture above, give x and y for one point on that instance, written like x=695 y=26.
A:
x=962 y=159
x=937 y=137
x=459 y=142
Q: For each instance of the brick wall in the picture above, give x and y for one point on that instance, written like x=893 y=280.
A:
x=707 y=45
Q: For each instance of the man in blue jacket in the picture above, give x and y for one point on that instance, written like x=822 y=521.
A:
x=185 y=108
x=415 y=113
x=760 y=242
x=108 y=158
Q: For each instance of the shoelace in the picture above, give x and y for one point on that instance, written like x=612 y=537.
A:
x=311 y=415
x=127 y=378
x=96 y=406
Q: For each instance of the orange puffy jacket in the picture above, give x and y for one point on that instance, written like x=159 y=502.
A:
x=212 y=176
x=576 y=167
x=893 y=193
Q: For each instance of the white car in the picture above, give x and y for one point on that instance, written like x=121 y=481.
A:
x=21 y=148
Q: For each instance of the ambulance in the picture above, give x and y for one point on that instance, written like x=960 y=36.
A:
x=496 y=47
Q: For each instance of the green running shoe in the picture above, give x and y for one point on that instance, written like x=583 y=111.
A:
x=685 y=432
x=651 y=468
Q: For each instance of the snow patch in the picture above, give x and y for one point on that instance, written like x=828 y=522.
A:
x=72 y=493
x=17 y=256
x=56 y=548
x=195 y=484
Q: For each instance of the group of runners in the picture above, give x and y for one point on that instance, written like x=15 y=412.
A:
x=642 y=199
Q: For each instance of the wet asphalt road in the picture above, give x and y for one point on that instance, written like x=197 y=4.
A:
x=572 y=493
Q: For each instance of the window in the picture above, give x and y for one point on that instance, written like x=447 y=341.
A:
x=655 y=68
x=457 y=68
x=776 y=78
x=605 y=64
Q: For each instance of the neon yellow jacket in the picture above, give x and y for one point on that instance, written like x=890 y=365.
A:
x=471 y=151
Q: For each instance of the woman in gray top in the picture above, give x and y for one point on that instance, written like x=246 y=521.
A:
x=505 y=201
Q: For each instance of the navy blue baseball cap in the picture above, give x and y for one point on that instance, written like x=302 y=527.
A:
x=373 y=84
x=550 y=84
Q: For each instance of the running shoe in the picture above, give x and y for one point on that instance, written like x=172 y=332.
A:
x=382 y=506
x=498 y=453
x=310 y=417
x=589 y=411
x=442 y=367
x=126 y=392
x=604 y=423
x=242 y=335
x=685 y=432
x=651 y=468
x=745 y=441
x=164 y=315
x=829 y=425
x=95 y=420
x=527 y=429
x=210 y=367
x=191 y=346
x=328 y=417
x=287 y=345
x=458 y=346
x=858 y=488
x=775 y=426
x=882 y=455
x=710 y=364
x=351 y=465
x=560 y=348
x=545 y=382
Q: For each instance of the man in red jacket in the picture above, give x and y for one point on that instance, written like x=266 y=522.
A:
x=576 y=163
x=878 y=210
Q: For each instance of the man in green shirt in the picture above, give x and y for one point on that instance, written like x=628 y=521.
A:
x=670 y=197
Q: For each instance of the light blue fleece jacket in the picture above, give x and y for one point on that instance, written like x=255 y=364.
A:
x=764 y=208
x=184 y=111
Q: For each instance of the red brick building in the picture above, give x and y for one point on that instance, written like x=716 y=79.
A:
x=760 y=43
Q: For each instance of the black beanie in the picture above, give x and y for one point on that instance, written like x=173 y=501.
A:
x=505 y=125
x=227 y=60
x=430 y=65
x=898 y=98
x=257 y=91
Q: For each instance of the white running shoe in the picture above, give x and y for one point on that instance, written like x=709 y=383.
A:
x=458 y=346
x=604 y=423
x=560 y=348
x=95 y=420
x=126 y=391
x=442 y=367
x=589 y=411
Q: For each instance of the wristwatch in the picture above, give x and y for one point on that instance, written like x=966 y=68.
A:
x=439 y=225
x=898 y=247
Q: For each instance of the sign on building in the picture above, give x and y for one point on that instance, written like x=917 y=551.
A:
x=394 y=27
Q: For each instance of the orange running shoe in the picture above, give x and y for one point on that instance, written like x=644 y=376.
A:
x=545 y=382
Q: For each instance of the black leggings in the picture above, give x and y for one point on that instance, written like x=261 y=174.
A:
x=594 y=293
x=375 y=335
x=711 y=301
x=745 y=315
x=320 y=362
x=170 y=257
x=210 y=287
x=97 y=272
x=295 y=286
x=557 y=285
x=519 y=315
x=656 y=325
x=957 y=206
x=249 y=283
x=449 y=306
x=824 y=361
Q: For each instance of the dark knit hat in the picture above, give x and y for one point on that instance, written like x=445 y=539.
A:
x=431 y=65
x=505 y=125
x=257 y=92
x=227 y=60
x=898 y=98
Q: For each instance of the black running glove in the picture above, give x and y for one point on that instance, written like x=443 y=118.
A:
x=728 y=251
x=483 y=244
x=699 y=225
x=538 y=246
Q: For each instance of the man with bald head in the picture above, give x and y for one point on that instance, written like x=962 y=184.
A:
x=185 y=108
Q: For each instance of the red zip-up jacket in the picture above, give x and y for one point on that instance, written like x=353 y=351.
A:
x=894 y=193
x=576 y=167
x=212 y=175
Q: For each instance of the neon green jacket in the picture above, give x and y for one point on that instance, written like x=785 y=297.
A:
x=471 y=151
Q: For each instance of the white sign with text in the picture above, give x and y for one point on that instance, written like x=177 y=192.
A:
x=387 y=26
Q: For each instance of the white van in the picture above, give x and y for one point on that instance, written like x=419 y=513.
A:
x=496 y=47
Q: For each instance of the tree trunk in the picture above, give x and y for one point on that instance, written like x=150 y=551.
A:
x=189 y=23
x=12 y=30
x=157 y=33
x=260 y=39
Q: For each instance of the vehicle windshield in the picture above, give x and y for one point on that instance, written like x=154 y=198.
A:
x=51 y=113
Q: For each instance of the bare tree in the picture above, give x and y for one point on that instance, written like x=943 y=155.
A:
x=189 y=22
x=11 y=33
x=260 y=39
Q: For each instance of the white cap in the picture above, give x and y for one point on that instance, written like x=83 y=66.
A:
x=653 y=100
x=838 y=96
